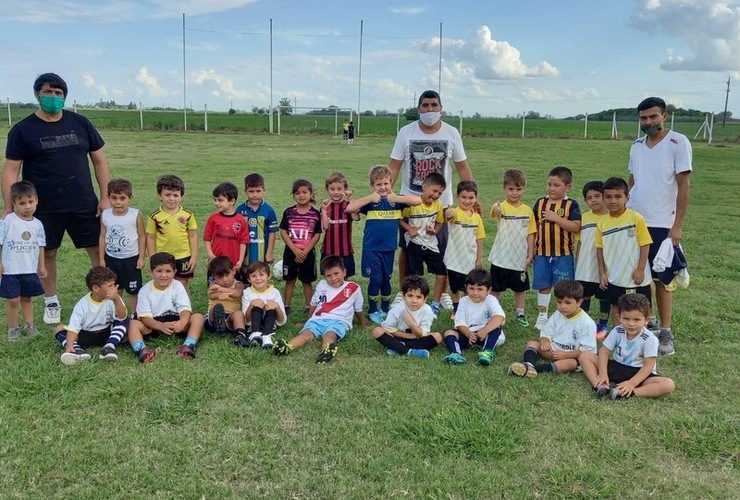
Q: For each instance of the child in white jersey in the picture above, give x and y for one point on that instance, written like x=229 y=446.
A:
x=567 y=333
x=407 y=329
x=123 y=239
x=262 y=305
x=633 y=370
x=99 y=318
x=22 y=242
x=333 y=304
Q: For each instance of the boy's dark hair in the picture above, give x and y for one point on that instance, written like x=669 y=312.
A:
x=220 y=266
x=171 y=182
x=227 y=190
x=99 y=275
x=514 y=177
x=651 y=102
x=22 y=188
x=634 y=302
x=120 y=186
x=593 y=186
x=336 y=177
x=467 y=186
x=55 y=81
x=562 y=173
x=415 y=283
x=299 y=183
x=160 y=259
x=429 y=94
x=617 y=183
x=331 y=261
x=570 y=289
x=435 y=179
x=479 y=277
x=254 y=180
x=256 y=266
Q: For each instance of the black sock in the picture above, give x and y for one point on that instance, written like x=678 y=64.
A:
x=490 y=343
x=390 y=342
x=530 y=355
x=546 y=367
x=256 y=319
x=454 y=307
x=270 y=318
x=586 y=304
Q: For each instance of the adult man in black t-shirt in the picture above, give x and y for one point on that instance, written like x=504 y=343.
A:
x=50 y=148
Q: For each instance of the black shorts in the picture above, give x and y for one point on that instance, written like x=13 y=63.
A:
x=305 y=272
x=457 y=281
x=658 y=234
x=591 y=289
x=417 y=256
x=128 y=277
x=619 y=373
x=164 y=319
x=508 y=279
x=182 y=268
x=426 y=342
x=613 y=292
x=13 y=286
x=90 y=339
x=83 y=228
x=348 y=261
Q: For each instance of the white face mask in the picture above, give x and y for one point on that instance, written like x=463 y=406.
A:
x=430 y=118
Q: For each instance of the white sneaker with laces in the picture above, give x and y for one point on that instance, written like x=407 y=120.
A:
x=446 y=301
x=541 y=321
x=52 y=314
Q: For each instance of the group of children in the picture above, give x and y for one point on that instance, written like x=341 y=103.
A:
x=610 y=241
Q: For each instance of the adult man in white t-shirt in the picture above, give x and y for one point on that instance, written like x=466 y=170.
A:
x=660 y=165
x=424 y=146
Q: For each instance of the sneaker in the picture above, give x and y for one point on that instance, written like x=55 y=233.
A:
x=666 y=346
x=255 y=339
x=267 y=342
x=383 y=315
x=521 y=369
x=397 y=300
x=376 y=317
x=454 y=358
x=108 y=353
x=486 y=357
x=282 y=348
x=602 y=330
x=446 y=301
x=419 y=353
x=72 y=358
x=327 y=354
x=219 y=318
x=541 y=321
x=145 y=355
x=186 y=351
x=614 y=394
x=31 y=330
x=653 y=324
x=602 y=391
x=240 y=340
x=435 y=308
x=14 y=333
x=391 y=352
x=522 y=320
x=52 y=314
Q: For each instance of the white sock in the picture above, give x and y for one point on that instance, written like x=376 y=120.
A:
x=520 y=311
x=51 y=300
x=543 y=302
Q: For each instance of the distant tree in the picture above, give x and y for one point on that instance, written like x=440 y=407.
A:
x=477 y=116
x=368 y=113
x=286 y=108
x=532 y=115
x=131 y=105
x=719 y=116
x=381 y=112
x=232 y=111
x=411 y=114
x=255 y=110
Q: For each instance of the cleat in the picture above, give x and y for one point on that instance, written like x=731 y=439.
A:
x=435 y=309
x=219 y=318
x=72 y=358
x=327 y=354
x=454 y=359
x=267 y=342
x=240 y=340
x=186 y=351
x=31 y=330
x=485 y=357
x=391 y=352
x=521 y=369
x=446 y=301
x=376 y=317
x=145 y=355
x=255 y=339
x=653 y=324
x=419 y=353
x=108 y=353
x=522 y=320
x=541 y=321
x=666 y=346
x=602 y=391
x=282 y=348
x=14 y=333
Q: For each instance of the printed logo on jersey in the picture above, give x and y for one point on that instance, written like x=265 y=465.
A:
x=116 y=240
x=426 y=157
x=561 y=212
x=182 y=220
x=322 y=298
x=346 y=292
x=631 y=232
x=252 y=222
x=25 y=235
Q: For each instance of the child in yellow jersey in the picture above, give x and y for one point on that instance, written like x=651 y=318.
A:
x=173 y=229
x=225 y=300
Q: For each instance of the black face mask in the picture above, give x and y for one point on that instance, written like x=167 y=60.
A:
x=651 y=130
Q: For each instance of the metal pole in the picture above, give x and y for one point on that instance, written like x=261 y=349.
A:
x=727 y=98
x=439 y=77
x=585 y=127
x=398 y=119
x=184 y=86
x=461 y=122
x=524 y=119
x=10 y=120
x=673 y=115
x=271 y=110
x=205 y=117
x=359 y=80
x=74 y=105
x=336 y=120
x=141 y=117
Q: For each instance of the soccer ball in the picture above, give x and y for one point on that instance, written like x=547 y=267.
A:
x=277 y=270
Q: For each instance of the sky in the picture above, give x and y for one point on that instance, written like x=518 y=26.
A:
x=498 y=57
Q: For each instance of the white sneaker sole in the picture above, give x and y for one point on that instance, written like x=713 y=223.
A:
x=52 y=317
x=71 y=359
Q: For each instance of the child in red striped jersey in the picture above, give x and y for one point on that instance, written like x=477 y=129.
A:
x=337 y=224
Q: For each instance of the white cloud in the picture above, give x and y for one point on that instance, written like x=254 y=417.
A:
x=711 y=28
x=88 y=80
x=219 y=85
x=547 y=95
x=149 y=82
x=487 y=58
x=409 y=11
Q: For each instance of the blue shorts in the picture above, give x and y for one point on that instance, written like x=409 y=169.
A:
x=13 y=286
x=378 y=265
x=320 y=327
x=549 y=270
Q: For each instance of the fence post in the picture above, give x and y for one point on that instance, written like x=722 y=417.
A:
x=10 y=119
x=205 y=117
x=461 y=122
x=141 y=117
x=524 y=119
x=585 y=127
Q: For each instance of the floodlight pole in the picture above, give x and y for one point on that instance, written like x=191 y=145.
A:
x=271 y=110
x=359 y=79
x=10 y=120
x=439 y=77
x=184 y=86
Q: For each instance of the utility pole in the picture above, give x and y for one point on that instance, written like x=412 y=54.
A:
x=727 y=98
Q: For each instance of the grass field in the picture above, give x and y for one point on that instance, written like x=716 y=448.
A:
x=243 y=423
x=376 y=126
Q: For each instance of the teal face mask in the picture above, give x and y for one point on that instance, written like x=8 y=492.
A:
x=51 y=104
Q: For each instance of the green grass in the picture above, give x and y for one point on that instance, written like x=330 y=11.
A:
x=243 y=423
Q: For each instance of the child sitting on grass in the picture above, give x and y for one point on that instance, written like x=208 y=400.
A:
x=99 y=318
x=225 y=299
x=633 y=370
x=263 y=306
x=569 y=332
x=406 y=330
x=478 y=321
x=332 y=306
